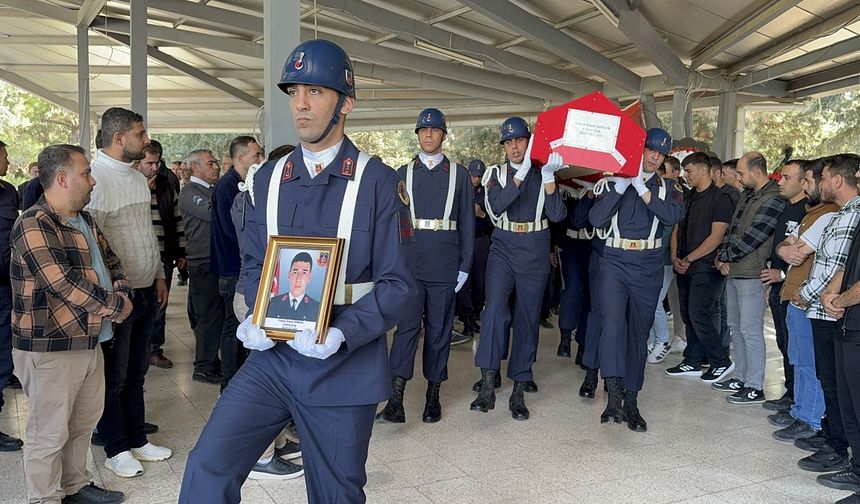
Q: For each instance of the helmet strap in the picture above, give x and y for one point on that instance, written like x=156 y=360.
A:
x=335 y=117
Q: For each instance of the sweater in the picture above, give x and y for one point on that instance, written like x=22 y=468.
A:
x=120 y=206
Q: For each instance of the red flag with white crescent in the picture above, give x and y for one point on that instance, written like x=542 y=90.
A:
x=275 y=278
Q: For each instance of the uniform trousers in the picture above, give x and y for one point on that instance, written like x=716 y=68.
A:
x=66 y=393
x=848 y=384
x=628 y=295
x=470 y=299
x=591 y=356
x=504 y=279
x=573 y=309
x=251 y=412
x=434 y=304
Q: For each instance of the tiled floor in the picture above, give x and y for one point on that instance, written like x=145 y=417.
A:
x=698 y=448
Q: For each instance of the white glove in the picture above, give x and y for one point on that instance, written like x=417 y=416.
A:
x=252 y=337
x=462 y=276
x=523 y=170
x=553 y=164
x=638 y=183
x=306 y=344
x=589 y=186
x=620 y=183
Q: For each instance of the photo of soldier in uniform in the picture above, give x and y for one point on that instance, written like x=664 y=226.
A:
x=297 y=287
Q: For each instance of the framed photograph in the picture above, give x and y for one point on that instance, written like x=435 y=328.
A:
x=297 y=285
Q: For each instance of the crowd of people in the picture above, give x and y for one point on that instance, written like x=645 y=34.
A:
x=90 y=249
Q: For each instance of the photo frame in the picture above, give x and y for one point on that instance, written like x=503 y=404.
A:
x=297 y=286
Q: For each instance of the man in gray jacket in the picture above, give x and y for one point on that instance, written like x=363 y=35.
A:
x=742 y=255
x=195 y=204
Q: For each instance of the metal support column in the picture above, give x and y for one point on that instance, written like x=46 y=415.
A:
x=726 y=125
x=740 y=132
x=649 y=111
x=138 y=57
x=679 y=112
x=280 y=35
x=84 y=87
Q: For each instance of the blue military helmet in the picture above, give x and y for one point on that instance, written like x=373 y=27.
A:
x=659 y=140
x=431 y=118
x=476 y=168
x=319 y=62
x=513 y=127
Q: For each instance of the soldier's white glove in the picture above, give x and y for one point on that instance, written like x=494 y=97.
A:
x=306 y=344
x=523 y=170
x=620 y=184
x=553 y=164
x=462 y=276
x=252 y=337
x=638 y=183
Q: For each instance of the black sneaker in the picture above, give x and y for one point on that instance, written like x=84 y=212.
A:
x=149 y=428
x=728 y=386
x=546 y=324
x=289 y=451
x=784 y=403
x=91 y=494
x=781 y=419
x=684 y=369
x=9 y=443
x=97 y=440
x=824 y=460
x=746 y=395
x=13 y=383
x=851 y=499
x=458 y=338
x=842 y=480
x=797 y=430
x=276 y=469
x=715 y=374
x=811 y=444
x=210 y=377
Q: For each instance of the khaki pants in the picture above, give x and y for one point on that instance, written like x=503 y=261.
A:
x=66 y=392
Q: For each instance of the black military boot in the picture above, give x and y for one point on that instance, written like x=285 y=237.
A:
x=486 y=399
x=589 y=385
x=393 y=411
x=613 y=414
x=580 y=350
x=564 y=346
x=630 y=413
x=432 y=408
x=472 y=322
x=517 y=402
x=497 y=382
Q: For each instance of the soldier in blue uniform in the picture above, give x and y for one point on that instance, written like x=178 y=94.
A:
x=519 y=200
x=470 y=299
x=328 y=188
x=440 y=203
x=634 y=211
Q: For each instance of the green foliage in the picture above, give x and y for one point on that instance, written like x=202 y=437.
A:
x=462 y=144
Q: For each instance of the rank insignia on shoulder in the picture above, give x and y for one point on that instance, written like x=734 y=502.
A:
x=288 y=172
x=679 y=188
x=346 y=169
x=401 y=191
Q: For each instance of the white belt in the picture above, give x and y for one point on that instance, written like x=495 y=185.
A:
x=624 y=243
x=523 y=227
x=579 y=234
x=435 y=224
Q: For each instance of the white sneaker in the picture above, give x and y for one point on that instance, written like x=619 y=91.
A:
x=678 y=345
x=151 y=453
x=659 y=352
x=650 y=346
x=124 y=465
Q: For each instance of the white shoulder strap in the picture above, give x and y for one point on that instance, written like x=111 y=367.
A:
x=539 y=209
x=274 y=197
x=344 y=225
x=452 y=187
x=409 y=169
x=656 y=222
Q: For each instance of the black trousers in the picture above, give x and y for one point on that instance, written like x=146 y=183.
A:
x=848 y=385
x=233 y=354
x=160 y=321
x=823 y=334
x=208 y=309
x=699 y=297
x=778 y=309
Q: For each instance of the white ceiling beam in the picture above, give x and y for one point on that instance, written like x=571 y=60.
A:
x=38 y=90
x=573 y=20
x=830 y=88
x=49 y=40
x=209 y=14
x=228 y=73
x=88 y=11
x=448 y=15
x=824 y=77
x=837 y=50
x=538 y=31
x=783 y=45
x=411 y=30
x=767 y=12
x=44 y=9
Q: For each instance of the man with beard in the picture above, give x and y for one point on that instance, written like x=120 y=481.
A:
x=120 y=206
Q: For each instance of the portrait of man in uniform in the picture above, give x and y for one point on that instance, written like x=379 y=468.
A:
x=295 y=303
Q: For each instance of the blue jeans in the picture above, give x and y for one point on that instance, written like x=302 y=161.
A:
x=808 y=396
x=660 y=328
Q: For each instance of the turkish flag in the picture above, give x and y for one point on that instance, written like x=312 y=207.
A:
x=275 y=277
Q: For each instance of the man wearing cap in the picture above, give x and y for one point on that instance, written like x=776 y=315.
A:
x=440 y=204
x=519 y=201
x=327 y=188
x=634 y=211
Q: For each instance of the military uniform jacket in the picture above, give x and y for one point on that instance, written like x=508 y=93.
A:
x=441 y=254
x=529 y=251
x=380 y=251
x=306 y=309
x=635 y=218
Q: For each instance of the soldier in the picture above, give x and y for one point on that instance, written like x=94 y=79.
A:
x=519 y=200
x=631 y=272
x=331 y=388
x=440 y=203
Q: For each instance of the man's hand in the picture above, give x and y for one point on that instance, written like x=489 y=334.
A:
x=830 y=302
x=252 y=337
x=798 y=301
x=792 y=255
x=161 y=292
x=306 y=344
x=638 y=183
x=553 y=257
x=681 y=265
x=724 y=268
x=127 y=307
x=181 y=263
x=462 y=276
x=479 y=212
x=770 y=276
x=553 y=164
x=620 y=184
